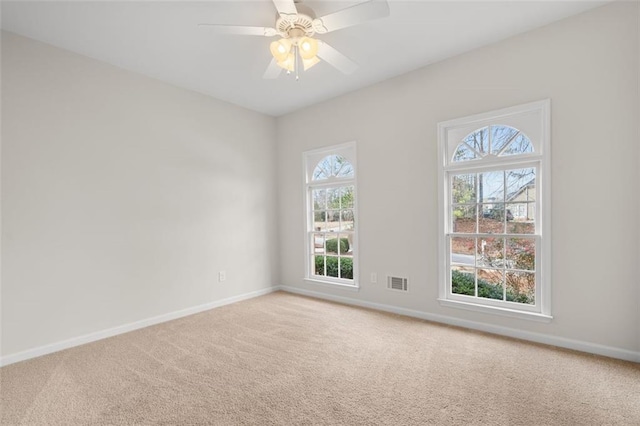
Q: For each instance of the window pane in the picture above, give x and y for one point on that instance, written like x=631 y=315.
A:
x=521 y=185
x=463 y=188
x=463 y=280
x=347 y=221
x=346 y=197
x=337 y=244
x=322 y=170
x=332 y=166
x=332 y=266
x=333 y=220
x=521 y=212
x=318 y=241
x=522 y=226
x=521 y=253
x=464 y=219
x=501 y=136
x=464 y=153
x=492 y=220
x=521 y=287
x=319 y=265
x=346 y=267
x=490 y=284
x=319 y=221
x=490 y=252
x=463 y=251
x=520 y=145
x=479 y=141
x=333 y=198
x=319 y=197
x=343 y=245
x=349 y=242
x=342 y=167
x=491 y=187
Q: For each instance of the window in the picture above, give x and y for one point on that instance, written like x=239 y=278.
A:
x=494 y=217
x=330 y=215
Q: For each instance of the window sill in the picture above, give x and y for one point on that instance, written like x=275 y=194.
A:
x=532 y=316
x=349 y=287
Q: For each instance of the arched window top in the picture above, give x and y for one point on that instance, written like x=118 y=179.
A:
x=493 y=141
x=333 y=166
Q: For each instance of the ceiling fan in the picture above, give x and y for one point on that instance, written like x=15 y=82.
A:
x=296 y=25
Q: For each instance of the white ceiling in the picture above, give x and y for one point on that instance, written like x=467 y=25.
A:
x=161 y=39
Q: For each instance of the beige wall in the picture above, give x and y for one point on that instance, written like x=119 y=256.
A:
x=588 y=66
x=123 y=197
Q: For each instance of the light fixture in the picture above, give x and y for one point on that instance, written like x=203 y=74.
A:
x=280 y=49
x=308 y=63
x=289 y=62
x=286 y=52
x=308 y=47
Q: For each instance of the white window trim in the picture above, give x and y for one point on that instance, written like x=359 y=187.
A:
x=313 y=156
x=541 y=157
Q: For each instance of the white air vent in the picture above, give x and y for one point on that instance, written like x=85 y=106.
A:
x=397 y=283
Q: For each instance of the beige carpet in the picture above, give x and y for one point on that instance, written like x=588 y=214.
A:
x=285 y=359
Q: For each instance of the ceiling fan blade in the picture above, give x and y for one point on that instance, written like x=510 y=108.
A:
x=273 y=70
x=335 y=58
x=286 y=9
x=240 y=29
x=354 y=15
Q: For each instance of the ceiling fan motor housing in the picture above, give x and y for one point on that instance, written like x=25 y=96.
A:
x=298 y=25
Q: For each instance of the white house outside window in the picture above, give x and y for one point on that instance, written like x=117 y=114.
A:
x=494 y=212
x=330 y=215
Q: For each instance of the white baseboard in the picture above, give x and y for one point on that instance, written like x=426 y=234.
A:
x=562 y=342
x=92 y=337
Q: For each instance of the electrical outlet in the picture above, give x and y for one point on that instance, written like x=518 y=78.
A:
x=374 y=277
x=222 y=276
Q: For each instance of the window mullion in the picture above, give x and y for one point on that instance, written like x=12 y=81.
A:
x=504 y=260
x=506 y=145
x=494 y=163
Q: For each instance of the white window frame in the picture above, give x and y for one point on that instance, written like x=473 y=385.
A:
x=310 y=160
x=534 y=119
